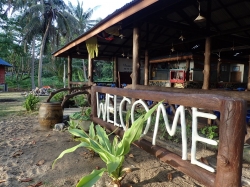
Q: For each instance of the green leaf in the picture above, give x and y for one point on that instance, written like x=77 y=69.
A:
x=103 y=138
x=91 y=179
x=134 y=132
x=149 y=113
x=127 y=118
x=70 y=150
x=114 y=146
x=112 y=166
x=92 y=131
x=79 y=133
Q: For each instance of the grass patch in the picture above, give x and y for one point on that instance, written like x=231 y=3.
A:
x=11 y=105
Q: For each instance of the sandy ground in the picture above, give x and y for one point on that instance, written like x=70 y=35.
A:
x=27 y=153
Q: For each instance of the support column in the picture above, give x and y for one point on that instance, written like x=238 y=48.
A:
x=90 y=72
x=187 y=69
x=206 y=71
x=69 y=71
x=218 y=70
x=135 y=56
x=248 y=78
x=115 y=71
x=146 y=68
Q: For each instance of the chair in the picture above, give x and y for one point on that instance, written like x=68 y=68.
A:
x=241 y=89
x=217 y=113
x=123 y=85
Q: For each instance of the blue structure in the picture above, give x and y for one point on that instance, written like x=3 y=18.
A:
x=3 y=64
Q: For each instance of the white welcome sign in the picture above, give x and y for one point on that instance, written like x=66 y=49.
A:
x=105 y=110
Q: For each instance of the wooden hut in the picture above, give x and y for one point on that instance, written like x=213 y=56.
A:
x=145 y=30
x=149 y=29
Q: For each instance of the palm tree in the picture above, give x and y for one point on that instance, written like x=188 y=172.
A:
x=48 y=18
x=83 y=17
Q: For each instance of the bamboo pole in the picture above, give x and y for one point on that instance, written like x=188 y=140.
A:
x=206 y=70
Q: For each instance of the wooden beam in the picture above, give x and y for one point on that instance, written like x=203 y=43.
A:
x=235 y=94
x=135 y=56
x=119 y=17
x=181 y=58
x=206 y=71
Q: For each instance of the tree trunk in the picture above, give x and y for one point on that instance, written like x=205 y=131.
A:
x=33 y=86
x=64 y=74
x=69 y=72
x=41 y=54
x=84 y=71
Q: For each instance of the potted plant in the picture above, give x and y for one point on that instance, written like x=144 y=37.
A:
x=82 y=119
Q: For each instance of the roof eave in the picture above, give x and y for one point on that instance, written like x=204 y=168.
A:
x=110 y=20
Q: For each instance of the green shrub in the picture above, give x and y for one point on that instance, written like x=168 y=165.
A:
x=210 y=132
x=82 y=115
x=58 y=96
x=81 y=100
x=30 y=103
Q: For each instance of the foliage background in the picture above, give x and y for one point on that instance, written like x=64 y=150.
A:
x=22 y=36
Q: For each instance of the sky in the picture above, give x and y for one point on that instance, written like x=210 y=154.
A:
x=106 y=6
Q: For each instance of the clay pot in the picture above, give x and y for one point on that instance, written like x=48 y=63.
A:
x=50 y=114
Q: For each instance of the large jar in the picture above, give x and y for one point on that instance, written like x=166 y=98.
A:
x=50 y=114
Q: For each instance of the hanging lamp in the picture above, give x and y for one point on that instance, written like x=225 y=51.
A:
x=199 y=18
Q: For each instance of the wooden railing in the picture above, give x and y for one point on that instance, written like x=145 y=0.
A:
x=231 y=132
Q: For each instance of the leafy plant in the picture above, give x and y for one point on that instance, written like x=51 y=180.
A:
x=58 y=96
x=210 y=131
x=30 y=103
x=85 y=114
x=113 y=154
x=81 y=101
x=72 y=125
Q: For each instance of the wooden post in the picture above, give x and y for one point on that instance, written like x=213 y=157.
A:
x=146 y=68
x=90 y=72
x=248 y=79
x=135 y=56
x=206 y=70
x=218 y=71
x=115 y=70
x=69 y=72
x=187 y=69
